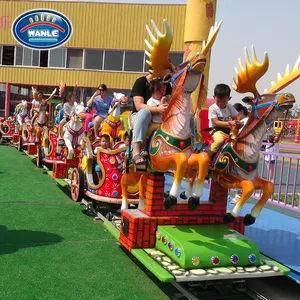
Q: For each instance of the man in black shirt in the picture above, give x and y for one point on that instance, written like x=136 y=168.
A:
x=142 y=113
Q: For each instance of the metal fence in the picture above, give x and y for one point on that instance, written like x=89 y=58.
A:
x=286 y=179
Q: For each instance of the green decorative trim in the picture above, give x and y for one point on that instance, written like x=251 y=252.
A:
x=283 y=269
x=154 y=267
x=112 y=229
x=228 y=153
x=174 y=142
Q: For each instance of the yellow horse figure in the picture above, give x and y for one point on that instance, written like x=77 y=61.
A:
x=112 y=125
x=171 y=145
x=236 y=164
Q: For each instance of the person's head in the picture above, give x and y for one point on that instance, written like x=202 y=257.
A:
x=104 y=141
x=40 y=96
x=158 y=86
x=127 y=140
x=103 y=90
x=242 y=110
x=271 y=138
x=222 y=94
x=70 y=98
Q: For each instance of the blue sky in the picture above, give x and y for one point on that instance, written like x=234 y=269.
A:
x=269 y=25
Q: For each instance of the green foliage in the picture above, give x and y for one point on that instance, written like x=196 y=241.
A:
x=289 y=198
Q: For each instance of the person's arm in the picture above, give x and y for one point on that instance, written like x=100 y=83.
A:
x=91 y=101
x=219 y=123
x=138 y=92
x=67 y=110
x=213 y=116
x=139 y=104
x=164 y=100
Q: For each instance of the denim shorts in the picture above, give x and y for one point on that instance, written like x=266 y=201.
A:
x=102 y=115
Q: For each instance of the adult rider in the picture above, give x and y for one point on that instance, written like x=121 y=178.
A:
x=142 y=113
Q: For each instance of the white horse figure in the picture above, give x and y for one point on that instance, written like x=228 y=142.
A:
x=22 y=115
x=74 y=130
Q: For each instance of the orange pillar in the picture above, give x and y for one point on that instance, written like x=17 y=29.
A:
x=200 y=17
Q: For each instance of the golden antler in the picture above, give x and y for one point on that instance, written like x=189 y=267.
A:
x=248 y=76
x=75 y=88
x=159 y=52
x=287 y=79
x=62 y=89
x=35 y=94
x=206 y=46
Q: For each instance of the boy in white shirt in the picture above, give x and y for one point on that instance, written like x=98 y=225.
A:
x=222 y=116
x=69 y=109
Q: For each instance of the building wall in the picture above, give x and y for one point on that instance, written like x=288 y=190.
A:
x=44 y=76
x=95 y=26
x=105 y=25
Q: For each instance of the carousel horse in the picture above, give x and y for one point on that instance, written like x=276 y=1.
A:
x=171 y=144
x=74 y=130
x=40 y=124
x=235 y=165
x=112 y=125
x=21 y=115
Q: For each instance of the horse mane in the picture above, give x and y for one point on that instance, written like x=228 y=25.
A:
x=176 y=101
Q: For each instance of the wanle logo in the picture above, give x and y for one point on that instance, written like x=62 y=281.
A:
x=42 y=29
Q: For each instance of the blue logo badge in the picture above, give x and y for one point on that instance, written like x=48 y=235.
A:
x=42 y=29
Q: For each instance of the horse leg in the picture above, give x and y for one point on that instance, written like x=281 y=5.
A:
x=37 y=135
x=17 y=124
x=268 y=190
x=68 y=139
x=181 y=162
x=248 y=188
x=127 y=180
x=142 y=190
x=202 y=162
x=185 y=195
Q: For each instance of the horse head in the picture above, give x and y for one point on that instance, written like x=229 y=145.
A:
x=116 y=103
x=79 y=114
x=24 y=104
x=269 y=106
x=186 y=77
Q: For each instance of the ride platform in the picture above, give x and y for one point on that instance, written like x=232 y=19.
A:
x=277 y=234
x=182 y=245
x=167 y=269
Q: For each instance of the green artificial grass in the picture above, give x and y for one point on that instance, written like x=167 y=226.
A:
x=50 y=249
x=22 y=181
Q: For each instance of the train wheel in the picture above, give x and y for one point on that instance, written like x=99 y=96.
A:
x=20 y=145
x=77 y=185
x=39 y=158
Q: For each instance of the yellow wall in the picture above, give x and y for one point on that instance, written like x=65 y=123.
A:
x=95 y=25
x=105 y=25
x=46 y=76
